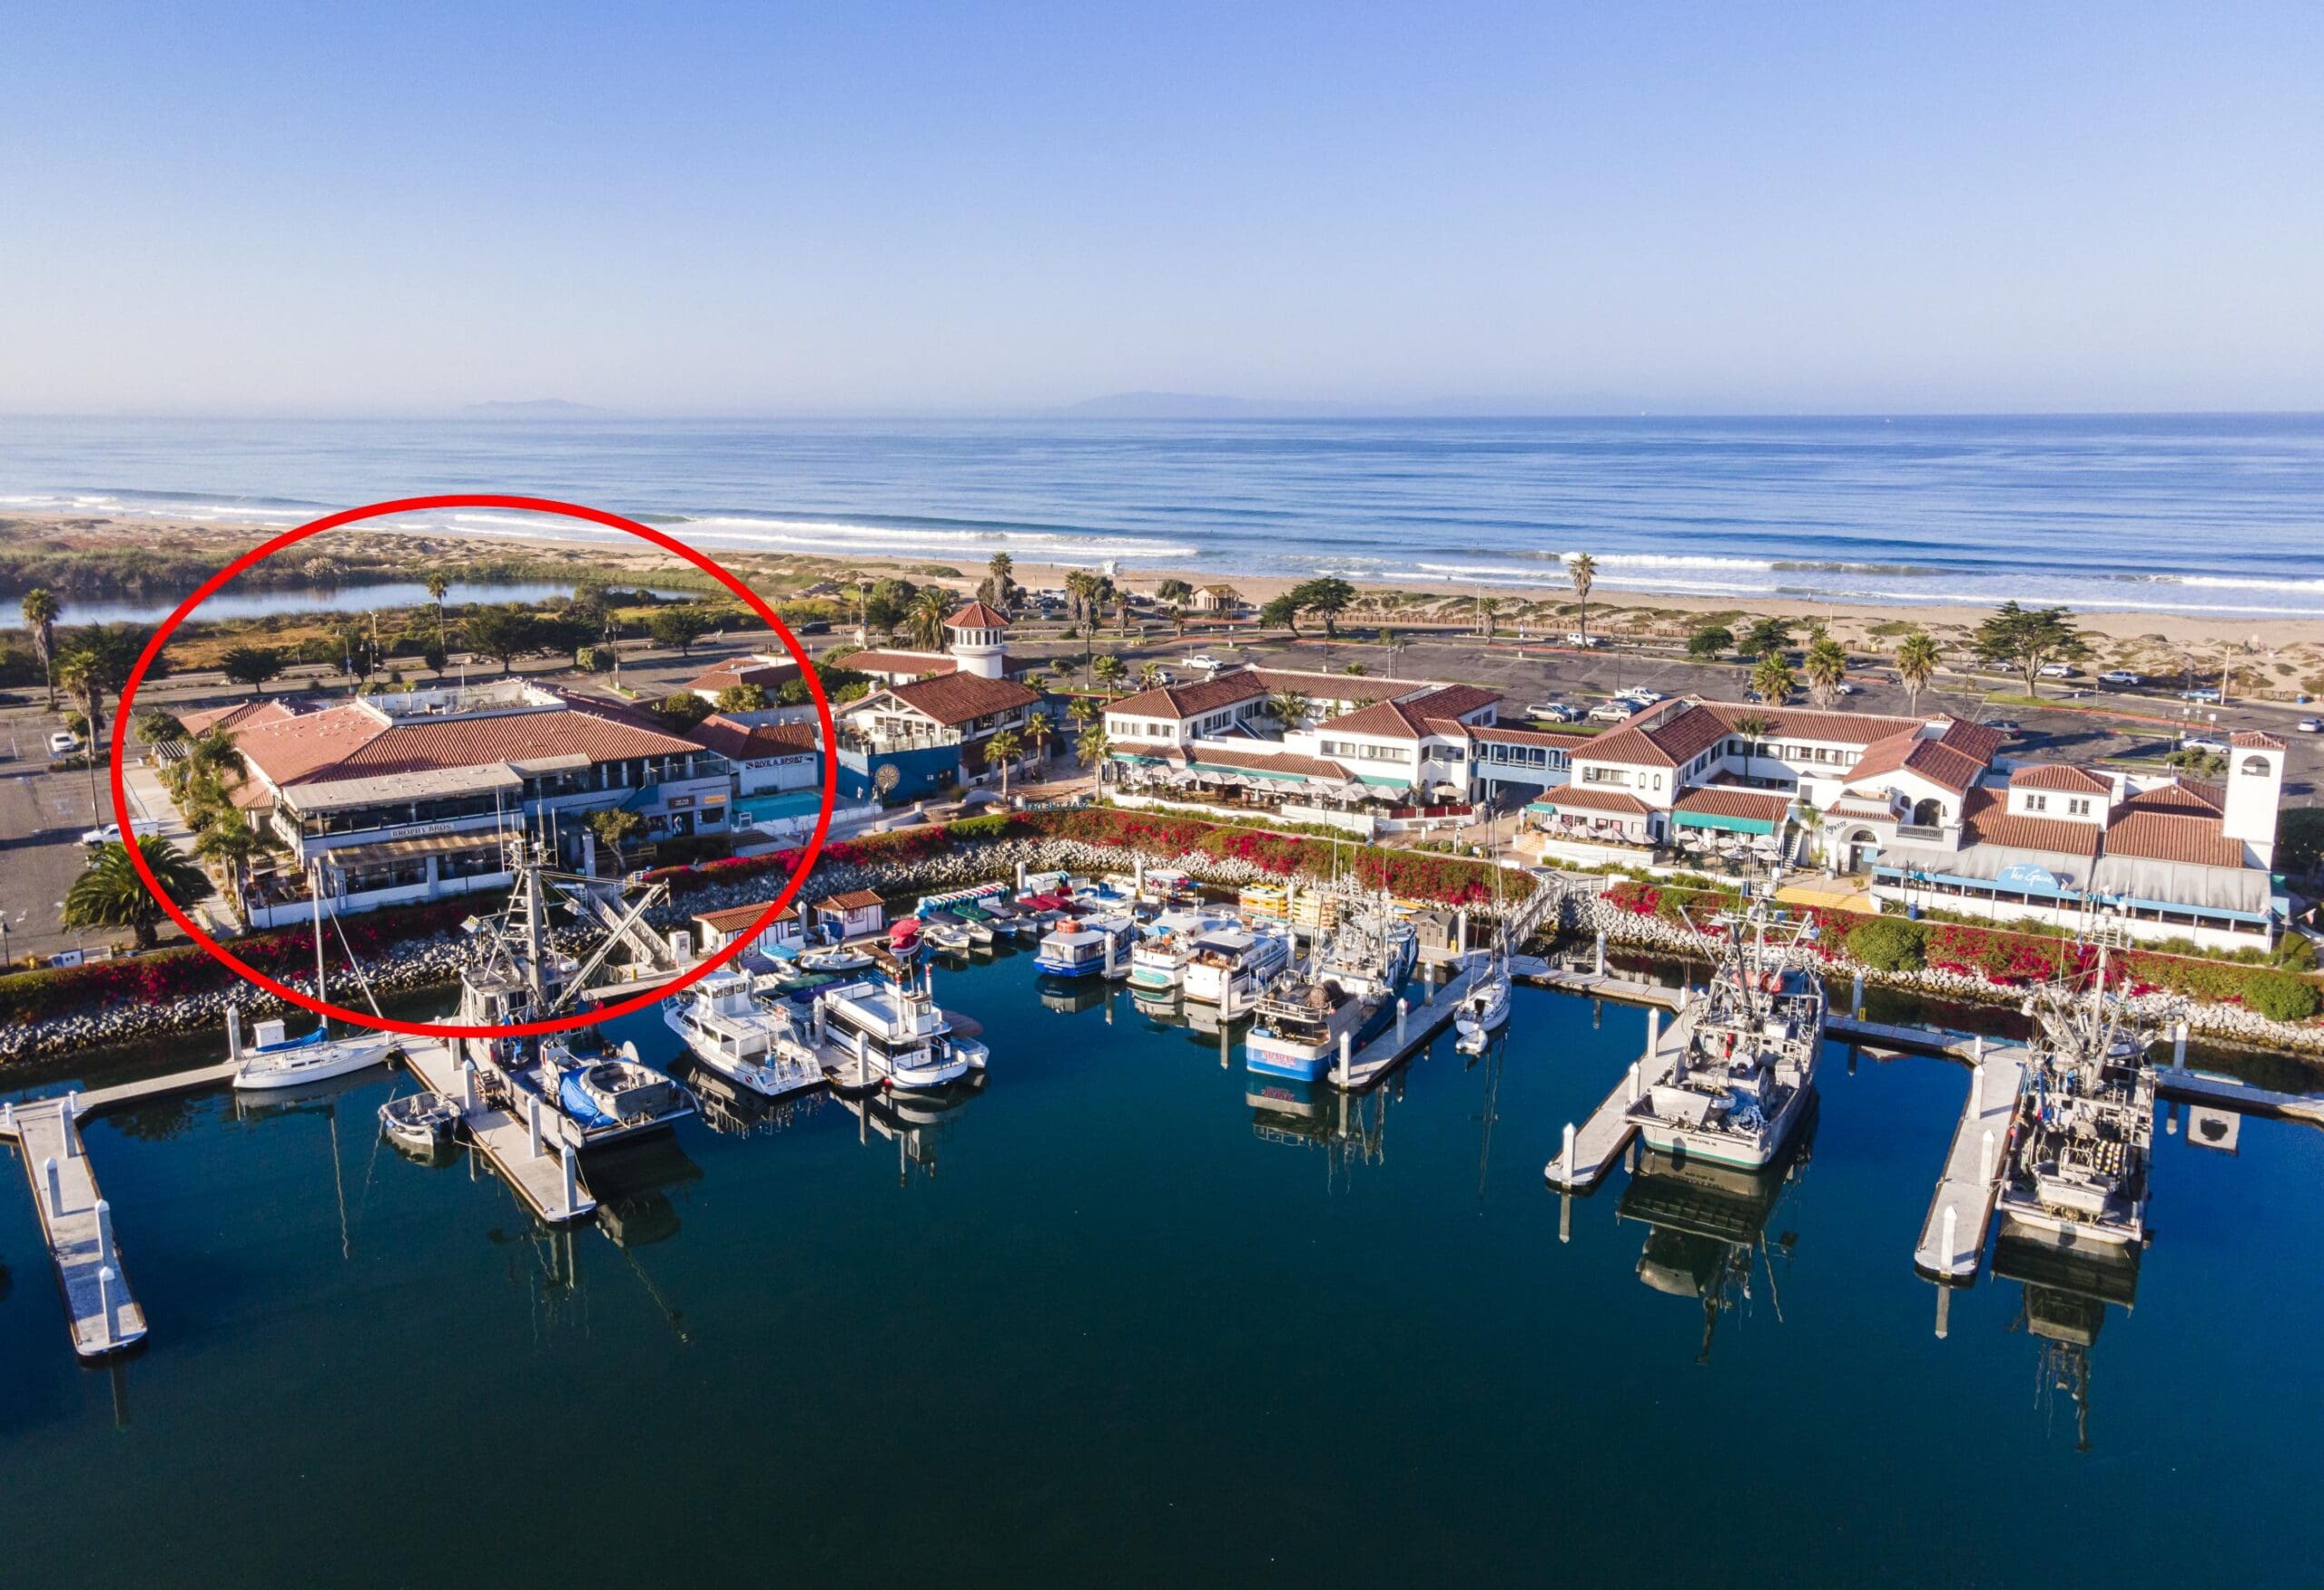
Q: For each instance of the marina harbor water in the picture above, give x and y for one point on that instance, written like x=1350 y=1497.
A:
x=1120 y=1228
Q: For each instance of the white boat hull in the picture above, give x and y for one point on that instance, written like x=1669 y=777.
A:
x=1730 y=1148
x=321 y=1062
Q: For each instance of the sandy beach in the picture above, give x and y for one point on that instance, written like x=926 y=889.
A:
x=2272 y=656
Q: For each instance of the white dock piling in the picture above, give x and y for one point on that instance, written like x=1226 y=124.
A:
x=1461 y=932
x=55 y=1186
x=105 y=1231
x=106 y=1279
x=1565 y=1147
x=1404 y=1008
x=572 y=1178
x=468 y=1088
x=1952 y=1222
x=2179 y=1046
x=1346 y=1052
x=1856 y=996
x=1634 y=1082
x=234 y=1034
x=8 y=1116
x=1599 y=969
x=1653 y=1030
x=533 y=1121
x=1020 y=877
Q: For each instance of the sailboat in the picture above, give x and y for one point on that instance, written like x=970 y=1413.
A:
x=276 y=1061
x=1484 y=1009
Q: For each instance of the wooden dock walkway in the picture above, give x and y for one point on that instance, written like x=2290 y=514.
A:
x=1952 y=1239
x=78 y=1226
x=1589 y=1152
x=1399 y=1041
x=534 y=1153
x=2224 y=1092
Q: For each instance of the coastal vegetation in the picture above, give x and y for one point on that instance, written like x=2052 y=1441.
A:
x=110 y=894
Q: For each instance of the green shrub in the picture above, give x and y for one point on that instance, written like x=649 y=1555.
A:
x=2279 y=996
x=1889 y=944
x=992 y=826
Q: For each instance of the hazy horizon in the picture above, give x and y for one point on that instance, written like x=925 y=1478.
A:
x=1005 y=212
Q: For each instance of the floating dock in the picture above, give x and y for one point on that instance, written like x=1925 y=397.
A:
x=1409 y=1033
x=1589 y=1152
x=534 y=1153
x=1952 y=1239
x=78 y=1225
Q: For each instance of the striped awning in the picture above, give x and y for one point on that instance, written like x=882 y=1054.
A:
x=1722 y=821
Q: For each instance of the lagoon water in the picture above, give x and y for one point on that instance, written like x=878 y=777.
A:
x=2183 y=514
x=1107 y=1322
x=230 y=602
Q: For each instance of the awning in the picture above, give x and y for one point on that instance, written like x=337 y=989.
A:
x=1713 y=819
x=343 y=857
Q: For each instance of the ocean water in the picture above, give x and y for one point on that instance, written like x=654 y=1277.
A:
x=2219 y=515
x=1123 y=1319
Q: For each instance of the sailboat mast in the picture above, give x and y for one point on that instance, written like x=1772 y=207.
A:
x=315 y=897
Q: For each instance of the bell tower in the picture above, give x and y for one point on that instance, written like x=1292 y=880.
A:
x=2255 y=788
x=977 y=636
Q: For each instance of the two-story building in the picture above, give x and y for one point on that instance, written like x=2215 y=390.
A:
x=768 y=671
x=931 y=733
x=413 y=796
x=975 y=640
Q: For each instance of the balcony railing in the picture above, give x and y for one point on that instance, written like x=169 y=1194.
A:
x=1928 y=832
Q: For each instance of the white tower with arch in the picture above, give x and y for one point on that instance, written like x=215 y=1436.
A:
x=2255 y=788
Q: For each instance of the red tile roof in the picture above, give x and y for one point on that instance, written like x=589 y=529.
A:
x=1580 y=797
x=977 y=616
x=739 y=917
x=354 y=741
x=1416 y=717
x=2060 y=776
x=1179 y=702
x=1275 y=761
x=2159 y=836
x=1499 y=734
x=2255 y=740
x=1987 y=821
x=2188 y=796
x=911 y=662
x=288 y=750
x=853 y=899
x=1339 y=687
x=960 y=698
x=1973 y=739
x=234 y=717
x=1756 y=805
x=1939 y=763
x=745 y=670
x=748 y=742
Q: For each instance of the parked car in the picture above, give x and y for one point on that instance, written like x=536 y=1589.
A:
x=2203 y=744
x=1586 y=642
x=64 y=742
x=2058 y=671
x=2005 y=725
x=2310 y=725
x=1845 y=688
x=1201 y=659
x=1610 y=712
x=1639 y=695
x=2120 y=676
x=1554 y=712
x=108 y=835
x=2205 y=697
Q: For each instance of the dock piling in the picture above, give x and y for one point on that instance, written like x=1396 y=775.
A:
x=106 y=1279
x=105 y=1231
x=1634 y=1081
x=1599 y=967
x=533 y=1123
x=1855 y=998
x=1403 y=1009
x=468 y=1088
x=572 y=1180
x=55 y=1186
x=1952 y=1222
x=2179 y=1046
x=8 y=1116
x=1565 y=1149
x=1653 y=1030
x=1347 y=1051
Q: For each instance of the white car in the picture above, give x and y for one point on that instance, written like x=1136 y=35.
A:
x=1578 y=639
x=1201 y=659
x=1845 y=688
x=1610 y=712
x=1554 y=711
x=2197 y=742
x=108 y=835
x=2310 y=725
x=64 y=742
x=2057 y=671
x=1641 y=696
x=2120 y=676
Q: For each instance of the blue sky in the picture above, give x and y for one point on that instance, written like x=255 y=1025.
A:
x=907 y=209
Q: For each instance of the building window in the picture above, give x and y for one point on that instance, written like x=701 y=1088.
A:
x=2079 y=807
x=2037 y=804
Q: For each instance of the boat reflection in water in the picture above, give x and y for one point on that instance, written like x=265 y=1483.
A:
x=2067 y=1293
x=1707 y=1224
x=1076 y=995
x=729 y=1108
x=1351 y=1128
x=915 y=1122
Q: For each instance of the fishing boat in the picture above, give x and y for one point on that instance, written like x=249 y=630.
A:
x=420 y=1122
x=748 y=1040
x=279 y=1061
x=605 y=1097
x=1744 y=1058
x=1371 y=950
x=1234 y=965
x=1086 y=947
x=2076 y=1170
x=1301 y=1021
x=893 y=1034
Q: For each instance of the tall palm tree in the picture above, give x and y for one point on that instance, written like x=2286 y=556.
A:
x=1289 y=708
x=1754 y=729
x=1001 y=751
x=1486 y=607
x=1774 y=679
x=1039 y=730
x=1109 y=670
x=1583 y=572
x=924 y=620
x=110 y=894
x=1916 y=656
x=438 y=586
x=1092 y=749
x=1149 y=675
x=1825 y=665
x=230 y=845
x=1083 y=712
x=41 y=610
x=83 y=676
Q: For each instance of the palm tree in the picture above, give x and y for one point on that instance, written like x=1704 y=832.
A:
x=1149 y=676
x=1039 y=730
x=86 y=678
x=1109 y=670
x=1083 y=712
x=41 y=610
x=159 y=726
x=1289 y=708
x=1774 y=680
x=1916 y=656
x=1583 y=572
x=924 y=620
x=110 y=894
x=1001 y=751
x=1000 y=580
x=1825 y=665
x=1753 y=729
x=1092 y=750
x=1486 y=607
x=229 y=844
x=438 y=586
x=212 y=753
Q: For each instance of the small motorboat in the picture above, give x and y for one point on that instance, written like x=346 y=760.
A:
x=904 y=935
x=622 y=1093
x=948 y=932
x=419 y=1122
x=836 y=959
